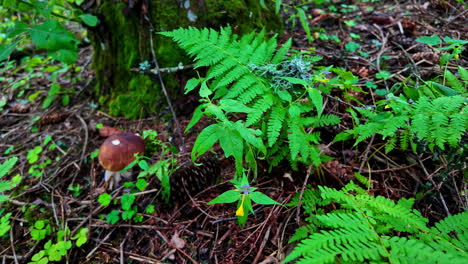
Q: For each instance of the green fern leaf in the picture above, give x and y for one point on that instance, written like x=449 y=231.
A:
x=244 y=83
x=281 y=53
x=260 y=107
x=297 y=140
x=275 y=123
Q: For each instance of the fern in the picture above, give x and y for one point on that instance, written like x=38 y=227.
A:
x=366 y=228
x=277 y=95
x=440 y=122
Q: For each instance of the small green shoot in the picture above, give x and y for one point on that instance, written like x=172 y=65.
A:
x=244 y=194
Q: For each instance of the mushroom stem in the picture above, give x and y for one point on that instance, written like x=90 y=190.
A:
x=111 y=177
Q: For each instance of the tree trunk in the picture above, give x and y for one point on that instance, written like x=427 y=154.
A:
x=122 y=40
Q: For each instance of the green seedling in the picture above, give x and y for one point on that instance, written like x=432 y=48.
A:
x=243 y=194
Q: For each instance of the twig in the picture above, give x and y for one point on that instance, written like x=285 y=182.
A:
x=429 y=177
x=12 y=243
x=163 y=87
x=134 y=256
x=366 y=153
x=99 y=244
x=262 y=245
x=85 y=127
x=187 y=255
x=121 y=251
x=177 y=68
x=299 y=202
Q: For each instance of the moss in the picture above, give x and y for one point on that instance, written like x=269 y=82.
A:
x=121 y=42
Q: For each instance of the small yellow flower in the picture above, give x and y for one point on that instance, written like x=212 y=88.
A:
x=240 y=210
x=456 y=56
x=323 y=80
x=387 y=107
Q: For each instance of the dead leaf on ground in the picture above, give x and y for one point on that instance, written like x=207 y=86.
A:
x=177 y=242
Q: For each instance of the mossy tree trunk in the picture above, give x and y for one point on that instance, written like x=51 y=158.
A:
x=121 y=41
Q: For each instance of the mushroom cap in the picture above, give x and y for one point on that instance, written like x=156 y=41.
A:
x=119 y=150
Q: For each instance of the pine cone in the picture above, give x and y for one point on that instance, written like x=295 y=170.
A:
x=194 y=179
x=54 y=117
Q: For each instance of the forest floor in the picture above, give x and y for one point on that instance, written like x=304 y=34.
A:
x=69 y=181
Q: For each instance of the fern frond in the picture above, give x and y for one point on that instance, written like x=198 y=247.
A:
x=404 y=250
x=261 y=106
x=244 y=83
x=439 y=122
x=297 y=139
x=458 y=124
x=400 y=217
x=363 y=229
x=275 y=123
x=392 y=125
x=342 y=219
x=229 y=59
x=321 y=121
x=405 y=137
x=355 y=243
x=390 y=145
x=454 y=229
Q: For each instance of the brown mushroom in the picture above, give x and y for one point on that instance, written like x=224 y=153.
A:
x=117 y=152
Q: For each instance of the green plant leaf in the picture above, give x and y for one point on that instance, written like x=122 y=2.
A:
x=20 y=27
x=48 y=101
x=6 y=50
x=197 y=114
x=304 y=22
x=141 y=184
x=143 y=164
x=65 y=55
x=104 y=199
x=429 y=40
x=383 y=75
x=51 y=35
x=262 y=198
x=317 y=99
x=226 y=197
x=113 y=217
x=296 y=81
x=191 y=84
x=206 y=140
x=127 y=201
x=65 y=100
x=234 y=106
x=352 y=46
x=7 y=166
x=278 y=4
x=232 y=144
x=89 y=20
x=204 y=90
x=463 y=73
x=81 y=236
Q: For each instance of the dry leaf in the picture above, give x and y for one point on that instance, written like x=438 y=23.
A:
x=177 y=242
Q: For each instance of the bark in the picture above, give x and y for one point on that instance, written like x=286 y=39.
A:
x=121 y=41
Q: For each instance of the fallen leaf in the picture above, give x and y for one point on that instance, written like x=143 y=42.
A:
x=177 y=242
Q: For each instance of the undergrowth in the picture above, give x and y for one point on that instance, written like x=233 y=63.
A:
x=265 y=105
x=372 y=229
